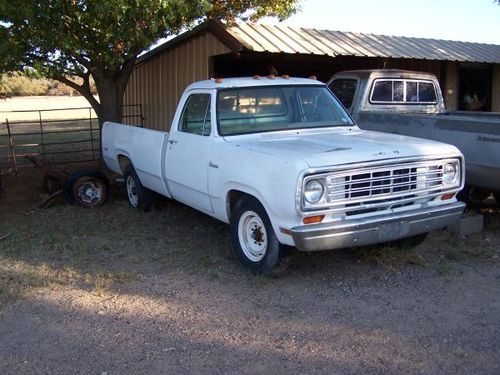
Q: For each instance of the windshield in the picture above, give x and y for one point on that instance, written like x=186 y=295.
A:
x=263 y=109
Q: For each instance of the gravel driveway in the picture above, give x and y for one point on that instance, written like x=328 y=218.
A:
x=117 y=291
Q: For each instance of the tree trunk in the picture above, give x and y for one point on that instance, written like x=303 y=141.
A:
x=110 y=100
x=110 y=88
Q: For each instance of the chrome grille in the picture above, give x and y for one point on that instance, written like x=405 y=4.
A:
x=376 y=188
x=386 y=182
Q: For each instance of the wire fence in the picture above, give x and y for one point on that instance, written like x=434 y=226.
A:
x=55 y=136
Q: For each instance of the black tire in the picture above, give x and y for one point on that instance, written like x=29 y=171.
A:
x=137 y=195
x=263 y=255
x=408 y=243
x=87 y=179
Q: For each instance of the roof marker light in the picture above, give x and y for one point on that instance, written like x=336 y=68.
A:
x=285 y=76
x=313 y=77
x=271 y=76
x=256 y=76
x=218 y=80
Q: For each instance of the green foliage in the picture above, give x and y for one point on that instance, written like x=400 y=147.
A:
x=102 y=39
x=29 y=84
x=18 y=84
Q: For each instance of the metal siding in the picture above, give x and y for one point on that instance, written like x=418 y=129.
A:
x=158 y=82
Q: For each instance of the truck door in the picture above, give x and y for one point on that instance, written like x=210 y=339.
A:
x=187 y=156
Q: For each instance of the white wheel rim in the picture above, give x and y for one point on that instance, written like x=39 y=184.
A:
x=252 y=235
x=133 y=197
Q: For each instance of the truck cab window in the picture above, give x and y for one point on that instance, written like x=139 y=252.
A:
x=344 y=89
x=195 y=117
x=399 y=91
x=382 y=91
x=426 y=92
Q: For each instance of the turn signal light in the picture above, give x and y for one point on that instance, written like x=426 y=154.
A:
x=313 y=219
x=447 y=196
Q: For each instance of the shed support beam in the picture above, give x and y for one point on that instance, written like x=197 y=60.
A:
x=451 y=87
x=495 y=89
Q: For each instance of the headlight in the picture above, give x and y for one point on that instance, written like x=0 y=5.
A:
x=449 y=173
x=313 y=191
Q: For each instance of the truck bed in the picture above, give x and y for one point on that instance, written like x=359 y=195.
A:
x=143 y=147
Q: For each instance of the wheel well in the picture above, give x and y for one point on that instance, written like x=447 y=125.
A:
x=233 y=197
x=123 y=161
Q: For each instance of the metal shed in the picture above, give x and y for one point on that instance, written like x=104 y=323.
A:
x=215 y=50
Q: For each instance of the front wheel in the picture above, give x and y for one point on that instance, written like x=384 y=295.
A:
x=253 y=237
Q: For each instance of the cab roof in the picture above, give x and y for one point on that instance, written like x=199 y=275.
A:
x=251 y=82
x=386 y=73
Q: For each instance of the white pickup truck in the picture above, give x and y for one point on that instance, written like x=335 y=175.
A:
x=283 y=163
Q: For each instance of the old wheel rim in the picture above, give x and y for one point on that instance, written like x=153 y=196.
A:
x=133 y=196
x=253 y=236
x=90 y=192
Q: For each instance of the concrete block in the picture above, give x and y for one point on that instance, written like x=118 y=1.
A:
x=468 y=224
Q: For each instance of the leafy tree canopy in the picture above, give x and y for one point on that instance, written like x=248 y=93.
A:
x=102 y=38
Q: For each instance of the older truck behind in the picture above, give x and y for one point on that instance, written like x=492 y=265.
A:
x=283 y=163
x=411 y=103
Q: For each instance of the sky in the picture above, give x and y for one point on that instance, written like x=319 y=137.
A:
x=464 y=20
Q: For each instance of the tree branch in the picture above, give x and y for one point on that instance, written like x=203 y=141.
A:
x=83 y=89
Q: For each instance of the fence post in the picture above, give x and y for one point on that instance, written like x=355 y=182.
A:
x=41 y=133
x=11 y=147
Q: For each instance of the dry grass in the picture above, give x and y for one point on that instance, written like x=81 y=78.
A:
x=103 y=248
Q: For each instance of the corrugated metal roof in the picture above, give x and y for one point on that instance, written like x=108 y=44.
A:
x=285 y=39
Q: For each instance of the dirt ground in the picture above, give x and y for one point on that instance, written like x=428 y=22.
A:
x=113 y=290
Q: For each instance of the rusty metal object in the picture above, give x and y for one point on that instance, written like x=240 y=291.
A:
x=88 y=188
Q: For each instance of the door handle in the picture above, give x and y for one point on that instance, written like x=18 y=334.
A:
x=172 y=141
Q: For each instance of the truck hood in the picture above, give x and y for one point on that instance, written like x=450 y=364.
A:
x=337 y=146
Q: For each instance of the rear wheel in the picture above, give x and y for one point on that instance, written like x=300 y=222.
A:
x=137 y=195
x=253 y=237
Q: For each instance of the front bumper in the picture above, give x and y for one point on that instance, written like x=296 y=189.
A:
x=372 y=230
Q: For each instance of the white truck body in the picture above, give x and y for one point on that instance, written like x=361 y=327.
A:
x=208 y=172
